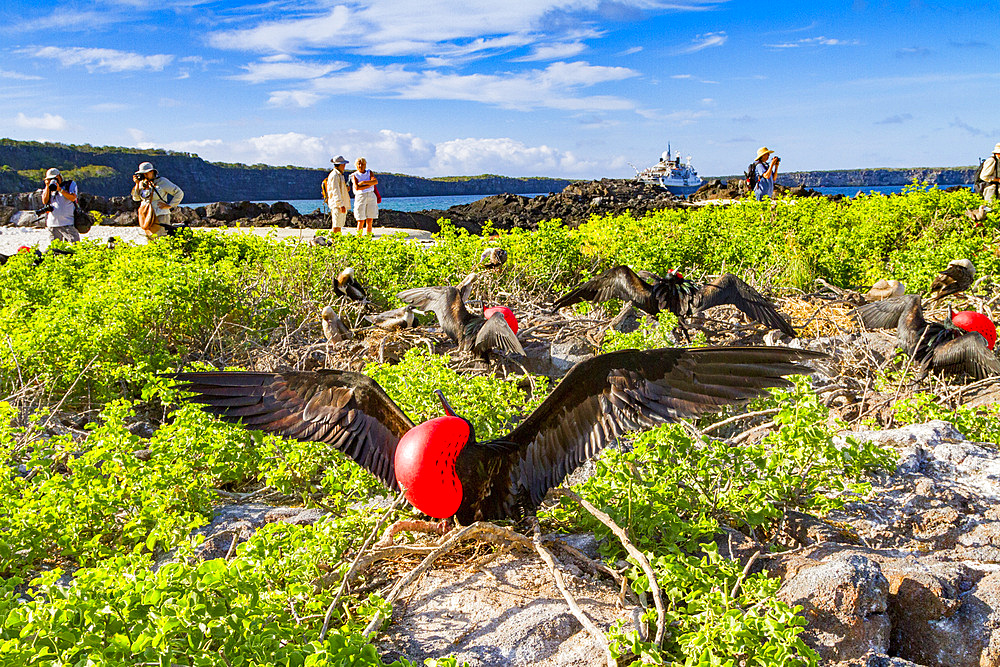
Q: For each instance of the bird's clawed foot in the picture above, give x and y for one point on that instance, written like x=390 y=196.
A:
x=433 y=527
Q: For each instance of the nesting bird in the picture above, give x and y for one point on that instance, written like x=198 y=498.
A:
x=956 y=278
x=347 y=286
x=952 y=347
x=470 y=330
x=682 y=297
x=393 y=320
x=884 y=289
x=493 y=258
x=334 y=329
x=978 y=214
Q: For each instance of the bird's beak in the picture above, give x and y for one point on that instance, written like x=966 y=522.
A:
x=444 y=403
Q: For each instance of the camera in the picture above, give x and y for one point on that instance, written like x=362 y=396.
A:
x=53 y=186
x=45 y=209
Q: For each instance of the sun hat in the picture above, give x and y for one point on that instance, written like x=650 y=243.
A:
x=145 y=168
x=996 y=149
x=52 y=173
x=762 y=151
x=339 y=160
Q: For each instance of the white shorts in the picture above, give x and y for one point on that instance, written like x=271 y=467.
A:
x=365 y=206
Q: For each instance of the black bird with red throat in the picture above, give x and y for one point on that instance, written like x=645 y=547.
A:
x=684 y=298
x=443 y=468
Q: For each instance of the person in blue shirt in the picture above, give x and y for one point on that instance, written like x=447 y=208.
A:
x=766 y=171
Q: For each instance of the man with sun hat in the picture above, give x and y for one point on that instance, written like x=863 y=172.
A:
x=990 y=173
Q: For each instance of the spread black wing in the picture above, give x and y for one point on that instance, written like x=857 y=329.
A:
x=885 y=314
x=349 y=411
x=967 y=354
x=604 y=397
x=621 y=282
x=730 y=290
x=497 y=334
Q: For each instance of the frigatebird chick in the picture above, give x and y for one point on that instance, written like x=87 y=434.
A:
x=346 y=285
x=470 y=330
x=334 y=329
x=680 y=296
x=393 y=320
x=956 y=278
x=493 y=258
x=939 y=346
x=884 y=289
x=445 y=471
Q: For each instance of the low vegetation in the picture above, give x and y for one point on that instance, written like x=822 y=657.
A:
x=84 y=518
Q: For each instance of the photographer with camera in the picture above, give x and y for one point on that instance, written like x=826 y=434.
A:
x=765 y=172
x=158 y=196
x=59 y=201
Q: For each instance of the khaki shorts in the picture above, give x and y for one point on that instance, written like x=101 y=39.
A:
x=67 y=234
x=365 y=206
x=337 y=218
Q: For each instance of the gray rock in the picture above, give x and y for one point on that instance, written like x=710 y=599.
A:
x=239 y=521
x=27 y=219
x=568 y=354
x=844 y=598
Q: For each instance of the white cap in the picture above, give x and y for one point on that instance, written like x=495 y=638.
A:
x=52 y=173
x=145 y=168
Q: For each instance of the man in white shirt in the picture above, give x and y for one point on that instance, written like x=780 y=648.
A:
x=60 y=200
x=338 y=197
x=991 y=174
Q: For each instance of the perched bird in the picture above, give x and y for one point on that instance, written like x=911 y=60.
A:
x=172 y=228
x=884 y=289
x=440 y=464
x=978 y=214
x=346 y=285
x=470 y=330
x=493 y=258
x=956 y=278
x=944 y=346
x=334 y=329
x=682 y=297
x=400 y=318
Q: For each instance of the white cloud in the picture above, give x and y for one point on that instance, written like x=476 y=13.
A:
x=708 y=40
x=109 y=107
x=554 y=87
x=7 y=74
x=553 y=51
x=631 y=51
x=108 y=60
x=390 y=27
x=814 y=41
x=399 y=152
x=270 y=70
x=681 y=76
x=46 y=121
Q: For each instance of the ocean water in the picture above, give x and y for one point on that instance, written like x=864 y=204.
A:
x=852 y=190
x=395 y=203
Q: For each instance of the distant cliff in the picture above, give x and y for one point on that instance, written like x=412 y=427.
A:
x=107 y=171
x=943 y=176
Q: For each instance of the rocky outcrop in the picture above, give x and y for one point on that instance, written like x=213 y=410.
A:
x=877 y=177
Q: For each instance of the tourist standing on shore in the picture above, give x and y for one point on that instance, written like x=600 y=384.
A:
x=60 y=200
x=153 y=191
x=765 y=172
x=991 y=174
x=365 y=205
x=338 y=198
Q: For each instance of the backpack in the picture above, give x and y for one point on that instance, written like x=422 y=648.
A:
x=322 y=188
x=978 y=184
x=82 y=220
x=751 y=175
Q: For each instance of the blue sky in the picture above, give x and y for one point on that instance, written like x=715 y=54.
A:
x=574 y=88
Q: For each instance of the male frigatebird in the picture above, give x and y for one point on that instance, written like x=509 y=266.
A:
x=445 y=471
x=952 y=346
x=347 y=285
x=675 y=293
x=470 y=330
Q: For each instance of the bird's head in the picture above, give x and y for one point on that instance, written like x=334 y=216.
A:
x=425 y=462
x=676 y=275
x=965 y=264
x=345 y=275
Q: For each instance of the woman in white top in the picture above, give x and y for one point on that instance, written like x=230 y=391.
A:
x=365 y=204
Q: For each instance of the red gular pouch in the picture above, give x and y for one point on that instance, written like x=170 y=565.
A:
x=425 y=465
x=970 y=320
x=507 y=313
